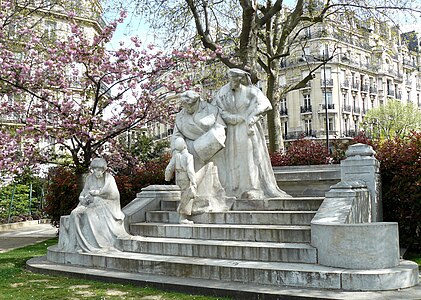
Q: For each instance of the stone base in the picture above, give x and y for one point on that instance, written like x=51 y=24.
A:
x=248 y=272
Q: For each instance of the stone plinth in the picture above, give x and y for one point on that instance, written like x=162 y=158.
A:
x=361 y=165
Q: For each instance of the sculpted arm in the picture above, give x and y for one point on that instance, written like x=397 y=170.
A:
x=261 y=105
x=190 y=170
x=169 y=170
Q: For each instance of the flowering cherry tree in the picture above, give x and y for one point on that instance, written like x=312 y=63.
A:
x=73 y=96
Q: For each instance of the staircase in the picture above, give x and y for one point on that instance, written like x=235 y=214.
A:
x=257 y=242
x=262 y=242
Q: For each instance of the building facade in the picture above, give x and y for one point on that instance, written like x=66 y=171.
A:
x=359 y=68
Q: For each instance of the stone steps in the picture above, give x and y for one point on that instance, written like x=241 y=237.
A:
x=237 y=217
x=216 y=249
x=295 y=204
x=225 y=232
x=262 y=243
x=249 y=272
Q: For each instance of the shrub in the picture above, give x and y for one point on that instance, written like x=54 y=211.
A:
x=400 y=170
x=62 y=193
x=302 y=152
x=150 y=172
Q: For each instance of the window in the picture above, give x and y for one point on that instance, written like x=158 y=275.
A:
x=345 y=99
x=331 y=124
x=283 y=107
x=10 y=100
x=326 y=71
x=307 y=100
x=307 y=127
x=285 y=125
x=355 y=105
x=324 y=51
x=283 y=103
x=346 y=125
x=50 y=28
x=282 y=80
x=327 y=97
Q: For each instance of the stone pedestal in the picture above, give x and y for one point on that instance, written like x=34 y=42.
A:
x=149 y=198
x=361 y=165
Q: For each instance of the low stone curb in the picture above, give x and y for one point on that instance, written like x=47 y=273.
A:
x=13 y=226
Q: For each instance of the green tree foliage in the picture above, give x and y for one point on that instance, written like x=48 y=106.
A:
x=22 y=199
x=395 y=119
x=136 y=151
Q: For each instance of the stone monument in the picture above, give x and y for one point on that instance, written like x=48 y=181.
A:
x=97 y=222
x=244 y=165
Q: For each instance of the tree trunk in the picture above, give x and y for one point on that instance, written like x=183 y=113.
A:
x=276 y=142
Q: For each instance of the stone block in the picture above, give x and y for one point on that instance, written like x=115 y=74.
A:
x=356 y=246
x=405 y=275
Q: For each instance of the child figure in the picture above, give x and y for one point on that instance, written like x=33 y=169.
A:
x=182 y=163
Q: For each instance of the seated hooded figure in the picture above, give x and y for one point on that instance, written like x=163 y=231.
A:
x=97 y=222
x=203 y=132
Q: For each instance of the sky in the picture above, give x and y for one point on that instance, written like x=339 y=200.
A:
x=133 y=26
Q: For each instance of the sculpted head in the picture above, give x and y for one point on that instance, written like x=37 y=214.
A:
x=190 y=101
x=98 y=166
x=180 y=144
x=237 y=77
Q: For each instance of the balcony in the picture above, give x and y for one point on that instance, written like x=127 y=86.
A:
x=409 y=63
x=329 y=106
x=356 y=110
x=345 y=84
x=326 y=82
x=350 y=133
x=295 y=135
x=365 y=88
x=283 y=112
x=347 y=109
x=306 y=109
x=355 y=85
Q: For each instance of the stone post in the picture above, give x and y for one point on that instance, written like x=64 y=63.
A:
x=361 y=165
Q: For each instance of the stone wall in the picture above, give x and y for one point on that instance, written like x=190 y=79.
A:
x=307 y=181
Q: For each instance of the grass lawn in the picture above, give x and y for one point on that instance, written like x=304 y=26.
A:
x=16 y=283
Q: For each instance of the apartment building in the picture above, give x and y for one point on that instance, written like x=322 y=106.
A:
x=366 y=66
x=49 y=19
